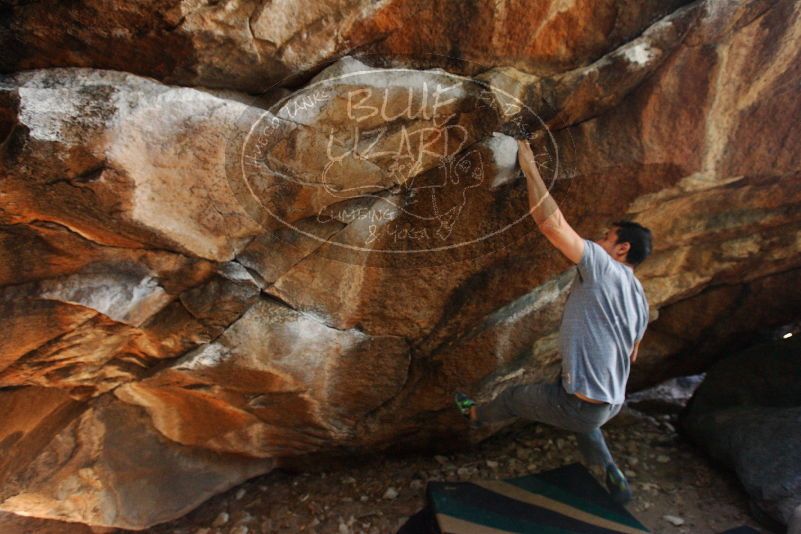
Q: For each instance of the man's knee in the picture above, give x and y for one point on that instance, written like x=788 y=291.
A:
x=540 y=402
x=509 y=400
x=503 y=406
x=524 y=400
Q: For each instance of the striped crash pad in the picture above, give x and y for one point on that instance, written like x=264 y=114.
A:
x=563 y=500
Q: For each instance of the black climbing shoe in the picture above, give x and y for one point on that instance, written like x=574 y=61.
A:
x=617 y=484
x=463 y=403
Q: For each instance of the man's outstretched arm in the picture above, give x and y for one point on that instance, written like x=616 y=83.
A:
x=544 y=210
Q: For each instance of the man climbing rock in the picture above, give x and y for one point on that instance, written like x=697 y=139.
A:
x=603 y=322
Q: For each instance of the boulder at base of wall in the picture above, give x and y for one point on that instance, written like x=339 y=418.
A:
x=747 y=415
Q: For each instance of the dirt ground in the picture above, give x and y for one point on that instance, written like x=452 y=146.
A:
x=669 y=478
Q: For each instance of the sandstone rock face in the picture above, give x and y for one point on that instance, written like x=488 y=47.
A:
x=253 y=45
x=747 y=415
x=92 y=469
x=238 y=282
x=124 y=161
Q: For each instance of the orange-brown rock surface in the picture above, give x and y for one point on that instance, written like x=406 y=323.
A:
x=253 y=45
x=199 y=283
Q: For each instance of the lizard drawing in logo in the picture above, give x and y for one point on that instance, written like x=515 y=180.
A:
x=436 y=196
x=448 y=193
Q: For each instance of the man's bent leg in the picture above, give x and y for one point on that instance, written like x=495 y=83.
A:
x=597 y=456
x=549 y=403
x=592 y=446
x=536 y=402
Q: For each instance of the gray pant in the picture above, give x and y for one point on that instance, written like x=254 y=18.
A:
x=549 y=403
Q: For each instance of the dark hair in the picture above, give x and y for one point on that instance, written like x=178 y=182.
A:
x=638 y=236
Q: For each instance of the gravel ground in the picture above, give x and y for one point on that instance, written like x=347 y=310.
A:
x=669 y=478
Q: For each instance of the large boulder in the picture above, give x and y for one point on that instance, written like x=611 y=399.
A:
x=253 y=45
x=98 y=465
x=747 y=415
x=122 y=160
x=243 y=282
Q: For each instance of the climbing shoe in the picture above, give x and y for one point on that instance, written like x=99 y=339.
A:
x=463 y=403
x=617 y=484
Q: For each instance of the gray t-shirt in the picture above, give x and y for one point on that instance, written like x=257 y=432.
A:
x=605 y=314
